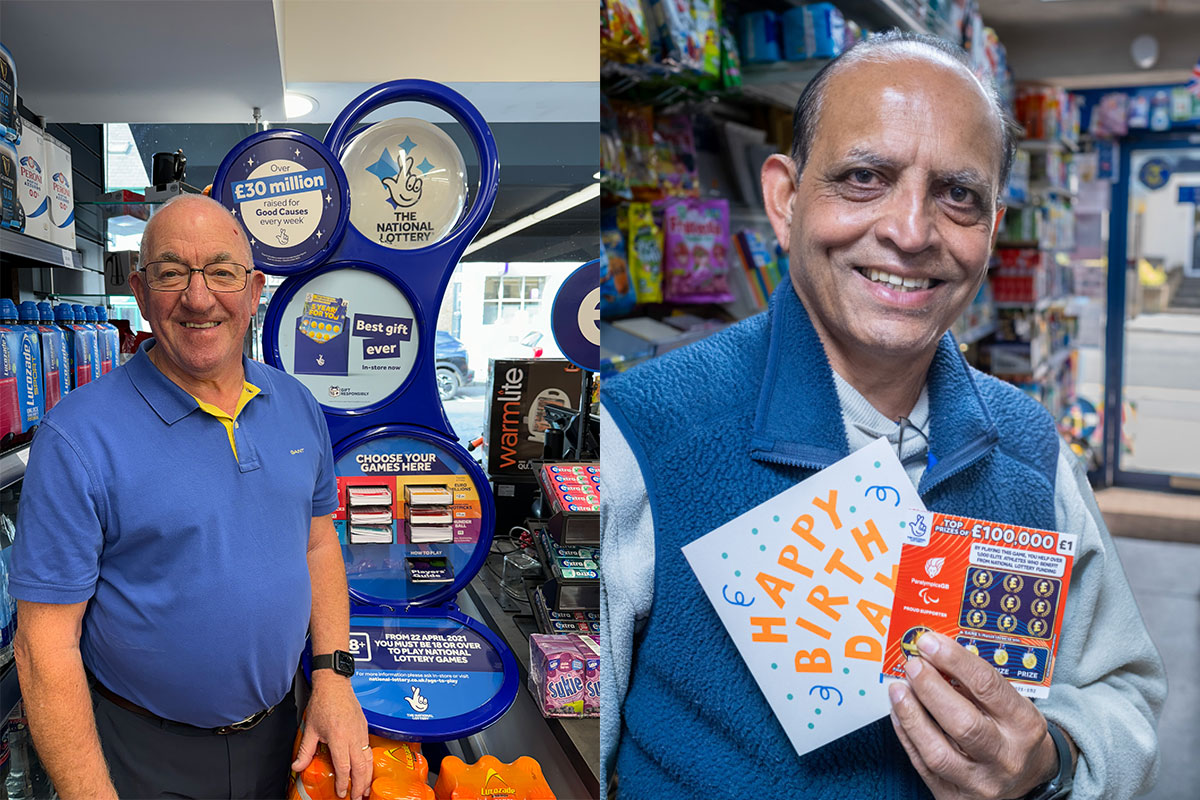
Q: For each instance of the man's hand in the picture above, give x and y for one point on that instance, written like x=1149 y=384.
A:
x=978 y=739
x=335 y=717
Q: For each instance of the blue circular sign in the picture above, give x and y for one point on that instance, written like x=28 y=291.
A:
x=1155 y=173
x=575 y=317
x=290 y=195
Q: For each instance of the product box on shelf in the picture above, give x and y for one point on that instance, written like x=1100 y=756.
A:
x=817 y=30
x=11 y=214
x=518 y=391
x=758 y=37
x=60 y=193
x=10 y=120
x=564 y=674
x=571 y=492
x=33 y=178
x=1020 y=274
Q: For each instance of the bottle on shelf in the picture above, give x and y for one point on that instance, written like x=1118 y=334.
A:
x=18 y=783
x=110 y=339
x=7 y=616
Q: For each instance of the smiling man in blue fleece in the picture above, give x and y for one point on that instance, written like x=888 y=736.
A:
x=889 y=207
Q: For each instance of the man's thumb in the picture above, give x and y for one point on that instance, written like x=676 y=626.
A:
x=308 y=748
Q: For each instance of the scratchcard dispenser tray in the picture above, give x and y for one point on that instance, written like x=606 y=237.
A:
x=416 y=520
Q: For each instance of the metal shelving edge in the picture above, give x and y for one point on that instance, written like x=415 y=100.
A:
x=19 y=245
x=12 y=465
x=10 y=689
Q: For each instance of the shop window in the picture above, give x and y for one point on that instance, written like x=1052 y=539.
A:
x=508 y=299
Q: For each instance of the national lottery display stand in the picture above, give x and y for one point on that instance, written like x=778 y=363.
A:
x=367 y=227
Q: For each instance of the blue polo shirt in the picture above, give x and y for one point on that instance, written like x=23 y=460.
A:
x=193 y=558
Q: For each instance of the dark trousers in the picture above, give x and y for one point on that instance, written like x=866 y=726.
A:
x=150 y=758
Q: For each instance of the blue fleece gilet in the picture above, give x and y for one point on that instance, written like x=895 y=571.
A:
x=718 y=428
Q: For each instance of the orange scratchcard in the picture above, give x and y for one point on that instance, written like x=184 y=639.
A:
x=998 y=590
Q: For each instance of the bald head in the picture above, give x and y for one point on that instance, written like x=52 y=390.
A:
x=896 y=47
x=187 y=205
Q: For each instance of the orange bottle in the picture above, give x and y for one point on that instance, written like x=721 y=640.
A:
x=400 y=789
x=398 y=759
x=316 y=781
x=489 y=778
x=400 y=773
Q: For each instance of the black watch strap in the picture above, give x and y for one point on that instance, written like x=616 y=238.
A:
x=339 y=661
x=1060 y=785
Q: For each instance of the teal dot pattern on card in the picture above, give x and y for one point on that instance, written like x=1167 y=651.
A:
x=724 y=555
x=762 y=547
x=810 y=726
x=852 y=509
x=858 y=478
x=776 y=518
x=877 y=465
x=862 y=692
x=902 y=524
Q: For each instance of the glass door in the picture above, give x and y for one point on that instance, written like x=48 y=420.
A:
x=1153 y=369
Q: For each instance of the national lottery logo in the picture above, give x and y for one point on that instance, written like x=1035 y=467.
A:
x=401 y=176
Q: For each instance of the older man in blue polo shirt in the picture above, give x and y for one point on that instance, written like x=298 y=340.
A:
x=175 y=545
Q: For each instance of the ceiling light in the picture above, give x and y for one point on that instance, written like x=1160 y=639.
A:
x=591 y=192
x=298 y=105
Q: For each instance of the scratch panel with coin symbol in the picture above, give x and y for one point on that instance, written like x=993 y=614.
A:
x=1009 y=603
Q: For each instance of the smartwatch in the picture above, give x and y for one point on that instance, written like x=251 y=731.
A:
x=340 y=662
x=1060 y=785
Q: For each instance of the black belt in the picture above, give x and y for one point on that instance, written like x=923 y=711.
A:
x=224 y=730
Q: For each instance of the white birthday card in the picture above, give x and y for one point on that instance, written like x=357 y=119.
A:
x=804 y=585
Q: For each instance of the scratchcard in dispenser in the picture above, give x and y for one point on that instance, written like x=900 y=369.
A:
x=322 y=341
x=998 y=590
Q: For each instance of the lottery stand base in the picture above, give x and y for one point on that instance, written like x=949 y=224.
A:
x=395 y=621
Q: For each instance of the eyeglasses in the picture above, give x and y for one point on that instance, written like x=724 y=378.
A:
x=172 y=276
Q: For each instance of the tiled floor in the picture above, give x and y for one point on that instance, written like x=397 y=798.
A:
x=1165 y=577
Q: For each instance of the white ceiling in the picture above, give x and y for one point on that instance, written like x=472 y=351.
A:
x=181 y=61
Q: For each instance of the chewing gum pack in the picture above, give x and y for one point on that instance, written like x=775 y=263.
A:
x=998 y=590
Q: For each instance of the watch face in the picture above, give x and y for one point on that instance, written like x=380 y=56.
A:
x=343 y=663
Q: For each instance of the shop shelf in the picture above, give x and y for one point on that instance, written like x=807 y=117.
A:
x=18 y=245
x=780 y=83
x=1040 y=305
x=1052 y=363
x=12 y=465
x=1049 y=145
x=10 y=690
x=978 y=332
